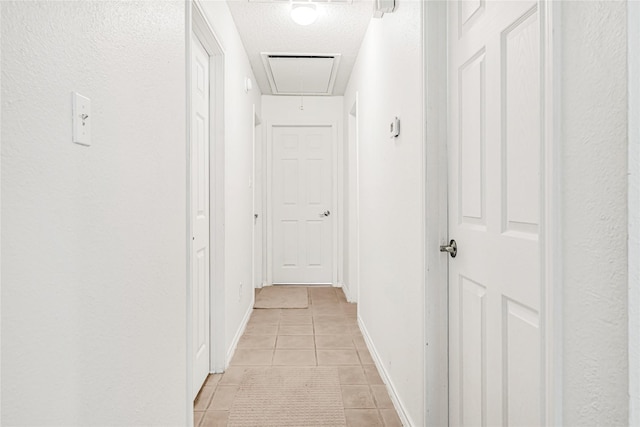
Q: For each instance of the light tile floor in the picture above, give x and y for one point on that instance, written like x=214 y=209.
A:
x=324 y=334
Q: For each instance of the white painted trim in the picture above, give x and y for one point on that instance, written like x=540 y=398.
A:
x=352 y=289
x=236 y=338
x=337 y=190
x=266 y=184
x=256 y=240
x=338 y=199
x=204 y=31
x=189 y=421
x=551 y=243
x=633 y=79
x=267 y=179
x=391 y=389
x=436 y=295
x=187 y=13
x=253 y=195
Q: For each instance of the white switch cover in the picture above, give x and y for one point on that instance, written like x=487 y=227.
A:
x=81 y=119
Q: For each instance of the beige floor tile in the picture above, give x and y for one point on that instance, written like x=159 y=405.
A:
x=197 y=417
x=296 y=330
x=352 y=375
x=321 y=290
x=257 y=341
x=215 y=419
x=296 y=312
x=223 y=398
x=261 y=329
x=233 y=375
x=360 y=343
x=349 y=307
x=363 y=418
x=266 y=314
x=285 y=337
x=365 y=357
x=295 y=341
x=390 y=418
x=268 y=321
x=295 y=320
x=357 y=397
x=251 y=357
x=381 y=397
x=294 y=358
x=203 y=398
x=352 y=316
x=317 y=302
x=212 y=380
x=317 y=295
x=371 y=372
x=329 y=320
x=334 y=341
x=332 y=329
x=327 y=310
x=338 y=357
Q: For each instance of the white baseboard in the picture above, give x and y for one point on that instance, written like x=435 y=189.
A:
x=397 y=403
x=234 y=344
x=347 y=293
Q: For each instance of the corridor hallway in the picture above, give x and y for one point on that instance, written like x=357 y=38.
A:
x=324 y=335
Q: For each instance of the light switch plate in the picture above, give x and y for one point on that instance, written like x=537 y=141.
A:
x=81 y=119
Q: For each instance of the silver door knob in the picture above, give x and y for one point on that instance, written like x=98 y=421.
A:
x=452 y=248
x=325 y=213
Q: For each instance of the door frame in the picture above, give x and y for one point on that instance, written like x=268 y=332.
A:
x=198 y=24
x=352 y=267
x=435 y=90
x=633 y=38
x=258 y=238
x=336 y=188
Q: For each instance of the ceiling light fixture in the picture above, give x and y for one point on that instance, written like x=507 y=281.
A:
x=304 y=13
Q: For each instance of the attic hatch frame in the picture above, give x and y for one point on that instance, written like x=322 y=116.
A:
x=266 y=56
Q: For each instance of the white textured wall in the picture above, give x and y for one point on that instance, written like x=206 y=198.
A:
x=634 y=212
x=388 y=78
x=94 y=238
x=286 y=109
x=238 y=168
x=594 y=170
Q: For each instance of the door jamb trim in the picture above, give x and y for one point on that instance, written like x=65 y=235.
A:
x=198 y=25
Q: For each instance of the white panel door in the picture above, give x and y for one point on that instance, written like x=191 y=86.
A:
x=200 y=211
x=302 y=183
x=495 y=204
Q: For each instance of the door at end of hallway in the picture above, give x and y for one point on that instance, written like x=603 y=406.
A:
x=302 y=205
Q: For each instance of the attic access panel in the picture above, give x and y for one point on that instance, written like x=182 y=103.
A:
x=295 y=74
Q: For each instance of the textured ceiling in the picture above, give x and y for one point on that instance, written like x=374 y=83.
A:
x=267 y=27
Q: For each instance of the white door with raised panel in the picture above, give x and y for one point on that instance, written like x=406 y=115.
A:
x=200 y=245
x=496 y=199
x=302 y=182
